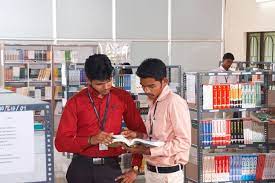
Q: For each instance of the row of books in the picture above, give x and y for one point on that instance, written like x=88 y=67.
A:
x=228 y=132
x=239 y=167
x=72 y=56
x=44 y=93
x=129 y=82
x=21 y=55
x=40 y=74
x=15 y=73
x=77 y=77
x=41 y=92
x=226 y=96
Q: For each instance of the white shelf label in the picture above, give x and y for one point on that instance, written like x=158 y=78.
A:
x=236 y=73
x=242 y=109
x=213 y=110
x=222 y=74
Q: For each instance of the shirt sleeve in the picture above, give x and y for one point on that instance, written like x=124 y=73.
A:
x=133 y=122
x=181 y=123
x=66 y=137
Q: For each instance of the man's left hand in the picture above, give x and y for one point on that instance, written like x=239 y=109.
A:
x=128 y=177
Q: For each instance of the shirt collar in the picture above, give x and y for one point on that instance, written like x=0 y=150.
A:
x=166 y=90
x=94 y=93
x=221 y=68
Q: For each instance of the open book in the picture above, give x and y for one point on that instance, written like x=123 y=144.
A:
x=136 y=141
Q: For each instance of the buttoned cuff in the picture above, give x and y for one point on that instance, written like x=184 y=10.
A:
x=136 y=160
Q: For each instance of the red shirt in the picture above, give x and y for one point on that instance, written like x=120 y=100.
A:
x=79 y=122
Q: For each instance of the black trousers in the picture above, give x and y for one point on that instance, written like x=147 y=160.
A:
x=82 y=170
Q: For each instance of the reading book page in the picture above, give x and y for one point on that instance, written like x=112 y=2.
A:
x=136 y=141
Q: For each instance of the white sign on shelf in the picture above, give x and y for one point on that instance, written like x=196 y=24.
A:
x=16 y=142
x=190 y=88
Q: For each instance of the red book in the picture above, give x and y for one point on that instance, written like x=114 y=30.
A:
x=219 y=98
x=215 y=96
x=260 y=167
x=226 y=164
x=227 y=97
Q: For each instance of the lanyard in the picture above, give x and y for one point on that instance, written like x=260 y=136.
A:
x=103 y=121
x=226 y=78
x=152 y=121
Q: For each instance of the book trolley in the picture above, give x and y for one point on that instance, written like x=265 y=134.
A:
x=227 y=145
x=14 y=144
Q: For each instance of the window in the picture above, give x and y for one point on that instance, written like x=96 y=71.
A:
x=261 y=46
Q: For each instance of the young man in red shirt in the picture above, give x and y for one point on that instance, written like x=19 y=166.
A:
x=89 y=120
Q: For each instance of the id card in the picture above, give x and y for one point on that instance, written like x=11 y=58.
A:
x=103 y=147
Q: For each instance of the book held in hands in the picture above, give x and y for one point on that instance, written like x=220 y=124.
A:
x=136 y=141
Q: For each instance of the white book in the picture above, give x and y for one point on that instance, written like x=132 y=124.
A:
x=37 y=93
x=136 y=141
x=58 y=108
x=207 y=97
x=16 y=73
x=31 y=54
x=48 y=92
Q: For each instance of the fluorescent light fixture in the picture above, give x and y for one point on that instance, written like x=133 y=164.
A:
x=262 y=1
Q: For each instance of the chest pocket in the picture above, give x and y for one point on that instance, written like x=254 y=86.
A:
x=114 y=117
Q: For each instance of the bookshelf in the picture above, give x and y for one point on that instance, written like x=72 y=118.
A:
x=27 y=70
x=227 y=144
x=51 y=73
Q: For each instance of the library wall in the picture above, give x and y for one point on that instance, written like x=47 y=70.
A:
x=84 y=19
x=195 y=25
x=26 y=19
x=246 y=16
x=197 y=31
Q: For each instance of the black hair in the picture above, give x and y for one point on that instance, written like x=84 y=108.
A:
x=228 y=56
x=152 y=68
x=98 y=67
x=126 y=70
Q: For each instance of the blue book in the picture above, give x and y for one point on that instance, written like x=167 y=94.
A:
x=231 y=168
x=128 y=82
x=210 y=132
x=202 y=133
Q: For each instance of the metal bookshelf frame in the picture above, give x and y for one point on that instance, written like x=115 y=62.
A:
x=259 y=64
x=14 y=102
x=199 y=112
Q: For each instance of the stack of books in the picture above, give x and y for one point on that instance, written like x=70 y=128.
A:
x=229 y=132
x=248 y=167
x=226 y=96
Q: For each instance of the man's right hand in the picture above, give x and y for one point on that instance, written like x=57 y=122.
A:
x=101 y=138
x=130 y=134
